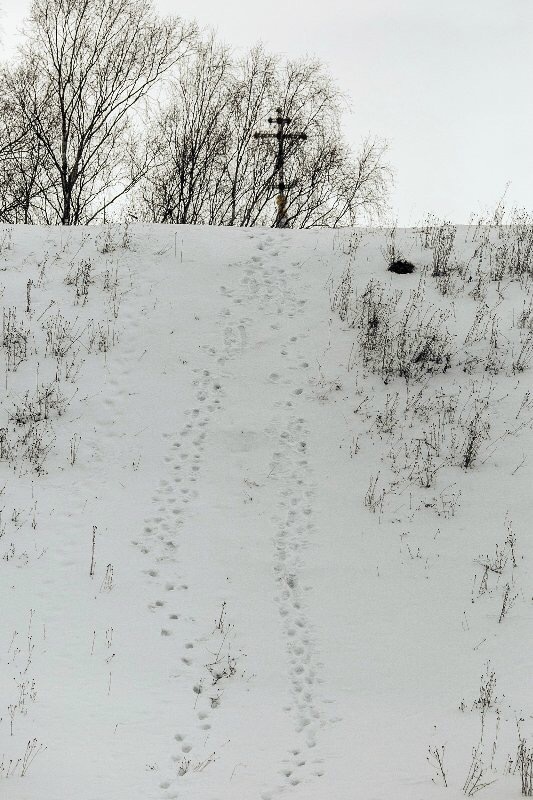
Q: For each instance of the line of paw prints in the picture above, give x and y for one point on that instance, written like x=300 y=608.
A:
x=192 y=752
x=297 y=768
x=162 y=531
x=293 y=529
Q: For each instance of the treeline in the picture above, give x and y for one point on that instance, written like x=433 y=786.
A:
x=108 y=109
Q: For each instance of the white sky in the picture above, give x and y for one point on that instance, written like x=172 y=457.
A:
x=448 y=84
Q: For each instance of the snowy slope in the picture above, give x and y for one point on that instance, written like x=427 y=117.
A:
x=238 y=559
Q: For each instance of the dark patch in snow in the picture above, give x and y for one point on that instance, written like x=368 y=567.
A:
x=401 y=267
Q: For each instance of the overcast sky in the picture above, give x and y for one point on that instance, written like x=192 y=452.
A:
x=448 y=84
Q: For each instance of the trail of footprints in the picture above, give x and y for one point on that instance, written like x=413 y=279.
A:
x=264 y=287
x=165 y=570
x=294 y=529
x=268 y=284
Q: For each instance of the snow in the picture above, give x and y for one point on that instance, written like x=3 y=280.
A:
x=257 y=623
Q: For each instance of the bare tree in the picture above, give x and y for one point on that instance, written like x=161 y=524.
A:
x=188 y=140
x=83 y=67
x=212 y=170
x=328 y=185
x=332 y=187
x=247 y=174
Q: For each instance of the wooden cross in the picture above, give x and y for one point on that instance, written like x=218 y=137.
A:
x=281 y=135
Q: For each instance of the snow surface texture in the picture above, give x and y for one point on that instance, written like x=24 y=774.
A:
x=265 y=514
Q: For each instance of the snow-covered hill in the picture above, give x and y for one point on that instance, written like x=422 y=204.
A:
x=266 y=514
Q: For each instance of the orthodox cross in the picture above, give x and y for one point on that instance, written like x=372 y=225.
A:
x=281 y=135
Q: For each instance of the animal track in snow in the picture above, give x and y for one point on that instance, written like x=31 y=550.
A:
x=261 y=288
x=292 y=532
